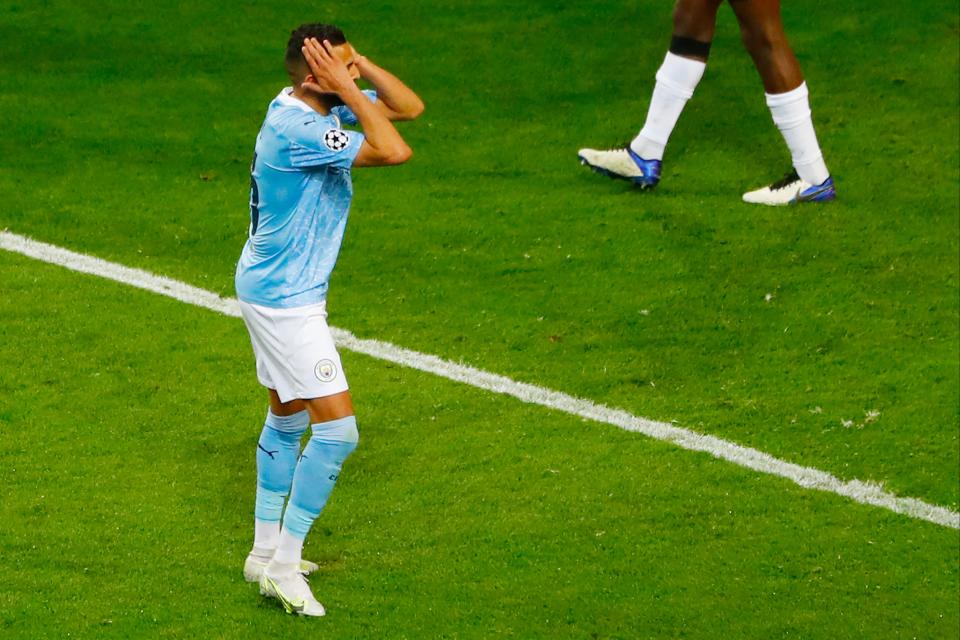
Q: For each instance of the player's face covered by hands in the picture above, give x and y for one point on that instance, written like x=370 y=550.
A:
x=350 y=57
x=333 y=68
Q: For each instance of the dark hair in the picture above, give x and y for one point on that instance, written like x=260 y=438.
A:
x=315 y=30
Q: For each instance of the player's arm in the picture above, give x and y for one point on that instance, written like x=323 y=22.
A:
x=382 y=143
x=396 y=100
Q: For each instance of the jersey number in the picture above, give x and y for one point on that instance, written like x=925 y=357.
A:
x=254 y=199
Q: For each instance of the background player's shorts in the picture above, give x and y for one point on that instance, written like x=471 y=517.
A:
x=294 y=350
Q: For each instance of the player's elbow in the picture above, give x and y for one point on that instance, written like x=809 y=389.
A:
x=411 y=111
x=394 y=152
x=400 y=155
x=416 y=110
x=397 y=155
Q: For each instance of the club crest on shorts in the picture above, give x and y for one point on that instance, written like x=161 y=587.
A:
x=336 y=139
x=325 y=371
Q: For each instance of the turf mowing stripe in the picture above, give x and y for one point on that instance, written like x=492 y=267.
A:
x=807 y=477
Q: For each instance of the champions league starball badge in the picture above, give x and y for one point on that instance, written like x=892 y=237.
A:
x=336 y=140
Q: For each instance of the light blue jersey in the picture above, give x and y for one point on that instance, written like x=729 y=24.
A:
x=300 y=192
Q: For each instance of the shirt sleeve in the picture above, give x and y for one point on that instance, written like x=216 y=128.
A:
x=318 y=142
x=346 y=115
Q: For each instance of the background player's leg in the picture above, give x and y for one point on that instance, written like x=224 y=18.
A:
x=765 y=39
x=694 y=22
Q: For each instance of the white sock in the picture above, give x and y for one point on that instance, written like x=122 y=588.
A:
x=791 y=114
x=262 y=554
x=676 y=80
x=289 y=550
x=266 y=535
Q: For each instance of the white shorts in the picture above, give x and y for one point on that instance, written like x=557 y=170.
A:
x=294 y=351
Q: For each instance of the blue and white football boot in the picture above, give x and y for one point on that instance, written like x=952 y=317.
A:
x=624 y=164
x=791 y=189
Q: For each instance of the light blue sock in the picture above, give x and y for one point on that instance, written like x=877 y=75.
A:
x=277 y=452
x=330 y=444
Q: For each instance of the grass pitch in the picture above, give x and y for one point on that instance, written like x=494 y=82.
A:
x=129 y=421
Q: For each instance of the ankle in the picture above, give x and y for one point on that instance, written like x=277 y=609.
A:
x=263 y=554
x=281 y=569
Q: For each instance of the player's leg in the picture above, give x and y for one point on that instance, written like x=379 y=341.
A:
x=764 y=37
x=334 y=437
x=312 y=371
x=278 y=448
x=279 y=442
x=694 y=22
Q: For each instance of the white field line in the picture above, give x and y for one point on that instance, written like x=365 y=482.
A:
x=807 y=477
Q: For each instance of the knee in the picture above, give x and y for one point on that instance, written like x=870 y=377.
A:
x=286 y=428
x=695 y=19
x=684 y=20
x=688 y=24
x=342 y=432
x=759 y=39
x=351 y=435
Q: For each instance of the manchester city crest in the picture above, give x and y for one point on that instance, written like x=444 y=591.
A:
x=325 y=370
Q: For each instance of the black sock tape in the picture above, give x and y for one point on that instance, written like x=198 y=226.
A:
x=681 y=46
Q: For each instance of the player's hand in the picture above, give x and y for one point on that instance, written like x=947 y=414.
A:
x=362 y=62
x=328 y=70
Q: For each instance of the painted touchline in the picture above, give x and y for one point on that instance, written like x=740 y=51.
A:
x=807 y=477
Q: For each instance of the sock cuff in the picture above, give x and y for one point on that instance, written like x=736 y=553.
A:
x=681 y=74
x=790 y=109
x=269 y=505
x=340 y=430
x=297 y=422
x=297 y=521
x=780 y=99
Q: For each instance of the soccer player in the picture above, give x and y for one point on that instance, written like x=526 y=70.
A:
x=300 y=195
x=763 y=36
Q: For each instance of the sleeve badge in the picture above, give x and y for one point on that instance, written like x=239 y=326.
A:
x=336 y=139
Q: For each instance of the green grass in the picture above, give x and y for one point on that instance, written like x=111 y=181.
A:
x=128 y=131
x=464 y=515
